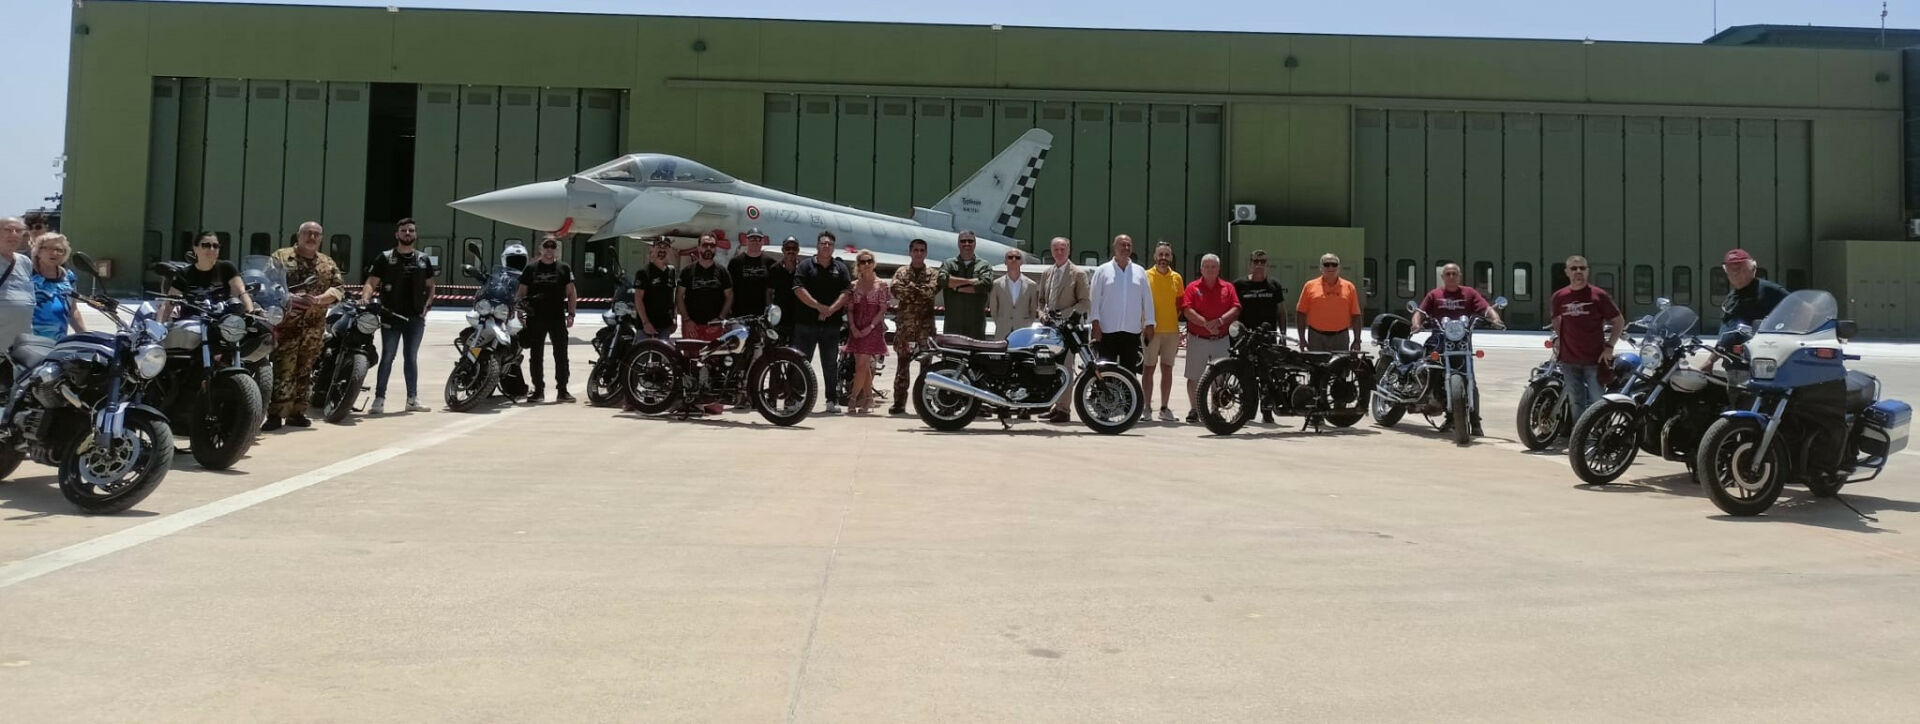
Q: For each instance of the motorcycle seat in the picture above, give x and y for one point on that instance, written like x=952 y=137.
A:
x=968 y=344
x=30 y=349
x=1860 y=390
x=1408 y=350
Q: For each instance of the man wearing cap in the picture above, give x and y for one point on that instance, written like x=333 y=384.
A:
x=914 y=287
x=969 y=281
x=654 y=287
x=780 y=279
x=1751 y=299
x=750 y=272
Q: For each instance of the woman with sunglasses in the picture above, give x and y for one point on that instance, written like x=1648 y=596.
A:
x=54 y=311
x=868 y=339
x=210 y=278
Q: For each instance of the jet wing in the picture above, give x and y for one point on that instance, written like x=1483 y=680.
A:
x=647 y=212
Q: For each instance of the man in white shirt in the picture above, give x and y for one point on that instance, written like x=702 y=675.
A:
x=1122 y=316
x=1013 y=301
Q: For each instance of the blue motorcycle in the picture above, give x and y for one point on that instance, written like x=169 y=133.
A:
x=1810 y=421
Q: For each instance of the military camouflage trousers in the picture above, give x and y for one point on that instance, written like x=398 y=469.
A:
x=293 y=357
x=908 y=331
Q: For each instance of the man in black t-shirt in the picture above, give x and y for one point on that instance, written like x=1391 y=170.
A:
x=547 y=293
x=750 y=272
x=403 y=278
x=780 y=280
x=654 y=287
x=1261 y=296
x=706 y=294
x=822 y=284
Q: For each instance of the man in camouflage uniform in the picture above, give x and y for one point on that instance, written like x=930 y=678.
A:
x=913 y=288
x=303 y=331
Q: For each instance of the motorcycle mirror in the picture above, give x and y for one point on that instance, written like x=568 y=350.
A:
x=473 y=250
x=1500 y=302
x=163 y=268
x=1745 y=330
x=1663 y=303
x=1846 y=328
x=1412 y=307
x=85 y=263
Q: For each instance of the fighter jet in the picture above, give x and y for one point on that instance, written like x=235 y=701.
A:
x=648 y=195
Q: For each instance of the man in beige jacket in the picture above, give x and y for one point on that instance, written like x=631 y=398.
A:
x=1063 y=291
x=1014 y=300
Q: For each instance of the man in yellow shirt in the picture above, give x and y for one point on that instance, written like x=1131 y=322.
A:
x=1167 y=289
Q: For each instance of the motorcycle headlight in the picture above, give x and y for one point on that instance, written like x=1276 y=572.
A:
x=773 y=314
x=473 y=319
x=610 y=318
x=483 y=307
x=149 y=360
x=1236 y=330
x=622 y=309
x=1764 y=368
x=773 y=336
x=367 y=323
x=233 y=328
x=1651 y=357
x=500 y=311
x=514 y=325
x=1454 y=329
x=275 y=315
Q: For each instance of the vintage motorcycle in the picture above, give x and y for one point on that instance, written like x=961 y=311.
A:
x=1810 y=419
x=74 y=404
x=747 y=361
x=1262 y=372
x=206 y=389
x=606 y=385
x=1546 y=411
x=1025 y=373
x=489 y=348
x=1665 y=407
x=340 y=372
x=1434 y=377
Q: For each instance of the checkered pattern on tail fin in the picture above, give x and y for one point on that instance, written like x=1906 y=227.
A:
x=1020 y=197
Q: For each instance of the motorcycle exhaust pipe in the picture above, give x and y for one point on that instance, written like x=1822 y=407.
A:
x=942 y=382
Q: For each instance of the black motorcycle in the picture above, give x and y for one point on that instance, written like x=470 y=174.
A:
x=1025 y=373
x=845 y=367
x=1434 y=377
x=489 y=348
x=613 y=344
x=746 y=364
x=266 y=280
x=1664 y=408
x=205 y=390
x=1546 y=410
x=1262 y=372
x=340 y=372
x=74 y=404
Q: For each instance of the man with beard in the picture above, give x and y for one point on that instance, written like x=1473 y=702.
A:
x=706 y=294
x=654 y=287
x=751 y=272
x=303 y=332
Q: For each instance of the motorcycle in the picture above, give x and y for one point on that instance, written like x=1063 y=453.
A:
x=347 y=352
x=960 y=375
x=74 y=404
x=1665 y=406
x=1546 y=411
x=1810 y=419
x=844 y=369
x=1262 y=372
x=1434 y=377
x=747 y=361
x=606 y=385
x=266 y=280
x=205 y=390
x=490 y=352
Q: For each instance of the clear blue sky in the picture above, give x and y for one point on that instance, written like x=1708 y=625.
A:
x=33 y=63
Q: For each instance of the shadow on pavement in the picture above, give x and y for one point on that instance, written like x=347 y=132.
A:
x=40 y=497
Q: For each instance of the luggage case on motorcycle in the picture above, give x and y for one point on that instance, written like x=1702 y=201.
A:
x=1884 y=427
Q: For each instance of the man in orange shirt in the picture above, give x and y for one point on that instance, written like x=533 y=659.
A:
x=1329 y=311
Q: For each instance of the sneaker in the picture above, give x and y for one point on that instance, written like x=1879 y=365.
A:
x=537 y=395
x=273 y=423
x=299 y=421
x=833 y=409
x=413 y=405
x=1166 y=415
x=563 y=397
x=379 y=406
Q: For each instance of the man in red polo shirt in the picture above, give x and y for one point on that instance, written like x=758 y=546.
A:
x=1210 y=306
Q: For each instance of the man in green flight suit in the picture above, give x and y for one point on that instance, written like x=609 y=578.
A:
x=969 y=280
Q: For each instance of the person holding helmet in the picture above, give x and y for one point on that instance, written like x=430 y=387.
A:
x=547 y=294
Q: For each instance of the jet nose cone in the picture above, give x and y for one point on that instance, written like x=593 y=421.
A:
x=540 y=206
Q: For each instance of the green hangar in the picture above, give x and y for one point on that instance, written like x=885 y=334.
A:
x=1505 y=156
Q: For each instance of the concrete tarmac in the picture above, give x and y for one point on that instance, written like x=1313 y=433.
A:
x=569 y=563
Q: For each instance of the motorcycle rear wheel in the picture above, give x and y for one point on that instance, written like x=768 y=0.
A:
x=1223 y=383
x=1457 y=406
x=939 y=409
x=344 y=389
x=1538 y=420
x=1604 y=442
x=1125 y=389
x=653 y=381
x=10 y=460
x=224 y=427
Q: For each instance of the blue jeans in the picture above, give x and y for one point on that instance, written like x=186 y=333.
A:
x=807 y=336
x=413 y=331
x=1582 y=383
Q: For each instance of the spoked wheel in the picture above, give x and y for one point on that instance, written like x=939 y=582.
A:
x=1604 y=442
x=1226 y=401
x=603 y=384
x=1539 y=419
x=653 y=381
x=225 y=426
x=470 y=382
x=344 y=389
x=1109 y=400
x=783 y=390
x=1385 y=412
x=109 y=476
x=940 y=409
x=1737 y=478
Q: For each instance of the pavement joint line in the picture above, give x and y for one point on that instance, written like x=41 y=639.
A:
x=53 y=561
x=819 y=603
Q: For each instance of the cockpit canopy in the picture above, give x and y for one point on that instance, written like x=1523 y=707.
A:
x=655 y=168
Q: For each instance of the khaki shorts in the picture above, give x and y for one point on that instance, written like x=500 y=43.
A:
x=1163 y=348
x=1201 y=352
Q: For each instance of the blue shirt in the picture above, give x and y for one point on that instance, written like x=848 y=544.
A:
x=51 y=305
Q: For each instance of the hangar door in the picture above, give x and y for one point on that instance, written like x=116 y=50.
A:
x=1149 y=170
x=1652 y=202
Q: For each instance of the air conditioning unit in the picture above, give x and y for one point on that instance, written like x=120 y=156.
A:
x=1243 y=213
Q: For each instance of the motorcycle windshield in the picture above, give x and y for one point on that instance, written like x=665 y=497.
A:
x=266 y=280
x=1802 y=312
x=1675 y=321
x=501 y=285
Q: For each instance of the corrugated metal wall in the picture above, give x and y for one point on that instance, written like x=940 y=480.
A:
x=1652 y=203
x=1149 y=171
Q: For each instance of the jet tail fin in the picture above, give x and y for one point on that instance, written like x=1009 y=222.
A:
x=993 y=200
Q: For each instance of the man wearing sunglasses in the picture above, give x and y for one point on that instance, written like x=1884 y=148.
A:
x=1329 y=311
x=824 y=285
x=1580 y=313
x=547 y=291
x=969 y=281
x=751 y=273
x=1452 y=300
x=706 y=293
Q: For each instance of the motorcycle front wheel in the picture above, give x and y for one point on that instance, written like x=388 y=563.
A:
x=114 y=475
x=1109 y=400
x=1604 y=442
x=225 y=426
x=1539 y=418
x=1457 y=406
x=344 y=389
x=10 y=460
x=1225 y=400
x=470 y=381
x=603 y=383
x=1386 y=413
x=942 y=410
x=1738 y=482
x=783 y=390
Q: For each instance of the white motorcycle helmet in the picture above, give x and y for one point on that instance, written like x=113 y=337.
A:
x=514 y=257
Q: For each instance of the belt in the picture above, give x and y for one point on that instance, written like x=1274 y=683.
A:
x=1343 y=331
